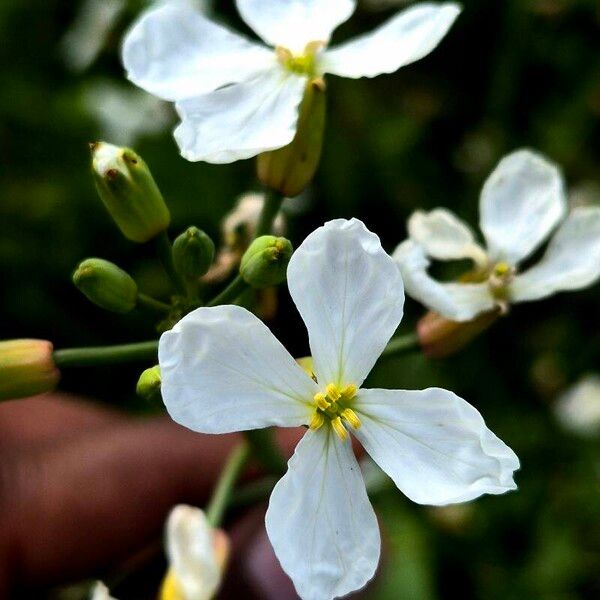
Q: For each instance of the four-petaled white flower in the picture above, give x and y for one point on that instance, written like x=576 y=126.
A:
x=196 y=554
x=522 y=202
x=238 y=98
x=223 y=371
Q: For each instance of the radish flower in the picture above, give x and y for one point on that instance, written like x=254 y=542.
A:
x=224 y=371
x=238 y=98
x=522 y=203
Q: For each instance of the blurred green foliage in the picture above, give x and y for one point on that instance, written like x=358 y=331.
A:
x=511 y=73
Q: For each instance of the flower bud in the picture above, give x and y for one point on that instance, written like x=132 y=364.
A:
x=265 y=262
x=129 y=192
x=440 y=337
x=148 y=385
x=193 y=253
x=106 y=285
x=290 y=169
x=26 y=368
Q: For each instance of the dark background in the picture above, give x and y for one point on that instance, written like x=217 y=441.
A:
x=511 y=73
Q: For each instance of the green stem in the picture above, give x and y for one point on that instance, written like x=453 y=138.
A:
x=264 y=448
x=268 y=213
x=152 y=303
x=232 y=292
x=401 y=345
x=222 y=493
x=164 y=250
x=107 y=355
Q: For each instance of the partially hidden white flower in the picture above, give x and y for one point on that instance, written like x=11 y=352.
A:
x=522 y=203
x=237 y=98
x=100 y=592
x=578 y=409
x=196 y=553
x=224 y=371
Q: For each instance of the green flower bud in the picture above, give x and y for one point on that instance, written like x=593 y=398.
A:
x=129 y=192
x=265 y=262
x=148 y=385
x=106 y=285
x=290 y=169
x=26 y=368
x=193 y=253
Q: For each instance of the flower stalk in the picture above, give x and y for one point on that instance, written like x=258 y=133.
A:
x=107 y=355
x=227 y=480
x=164 y=250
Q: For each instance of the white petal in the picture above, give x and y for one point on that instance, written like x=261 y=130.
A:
x=350 y=295
x=434 y=445
x=455 y=301
x=223 y=370
x=241 y=120
x=522 y=202
x=405 y=38
x=320 y=521
x=571 y=262
x=444 y=236
x=294 y=23
x=175 y=52
x=191 y=552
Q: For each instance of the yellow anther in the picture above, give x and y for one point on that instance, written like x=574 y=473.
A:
x=339 y=428
x=317 y=421
x=171 y=588
x=333 y=393
x=321 y=401
x=502 y=269
x=349 y=415
x=349 y=391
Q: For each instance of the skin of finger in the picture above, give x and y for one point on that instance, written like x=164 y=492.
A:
x=51 y=418
x=83 y=503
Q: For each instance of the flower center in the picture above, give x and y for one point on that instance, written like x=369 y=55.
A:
x=301 y=64
x=500 y=277
x=333 y=407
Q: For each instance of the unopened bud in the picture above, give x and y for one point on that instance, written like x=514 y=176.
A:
x=290 y=169
x=193 y=253
x=106 y=285
x=265 y=262
x=440 y=337
x=148 y=385
x=26 y=368
x=129 y=192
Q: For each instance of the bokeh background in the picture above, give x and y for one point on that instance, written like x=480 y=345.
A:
x=511 y=73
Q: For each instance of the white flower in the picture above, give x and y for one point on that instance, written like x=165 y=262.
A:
x=196 y=554
x=578 y=409
x=224 y=371
x=522 y=202
x=238 y=98
x=100 y=592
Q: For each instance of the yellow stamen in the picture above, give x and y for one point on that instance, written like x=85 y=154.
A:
x=317 y=420
x=333 y=393
x=349 y=392
x=321 y=401
x=502 y=269
x=351 y=417
x=339 y=428
x=171 y=588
